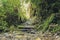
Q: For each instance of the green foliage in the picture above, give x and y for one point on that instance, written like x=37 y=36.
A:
x=56 y=29
x=47 y=22
x=12 y=28
x=12 y=13
x=3 y=25
x=45 y=8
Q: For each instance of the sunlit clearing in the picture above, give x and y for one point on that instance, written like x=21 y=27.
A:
x=1 y=3
x=26 y=9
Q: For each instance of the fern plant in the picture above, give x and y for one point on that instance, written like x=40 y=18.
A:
x=46 y=23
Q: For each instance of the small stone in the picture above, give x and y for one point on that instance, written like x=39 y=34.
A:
x=3 y=38
x=38 y=38
x=57 y=36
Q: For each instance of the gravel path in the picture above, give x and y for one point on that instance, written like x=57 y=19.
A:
x=27 y=36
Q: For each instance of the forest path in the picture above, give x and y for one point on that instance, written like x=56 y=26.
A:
x=28 y=27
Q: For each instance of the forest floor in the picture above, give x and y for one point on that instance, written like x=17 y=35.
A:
x=28 y=36
x=33 y=35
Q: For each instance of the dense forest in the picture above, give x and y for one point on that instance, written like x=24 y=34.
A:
x=44 y=15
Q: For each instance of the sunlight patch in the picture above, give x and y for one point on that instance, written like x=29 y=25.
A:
x=26 y=8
